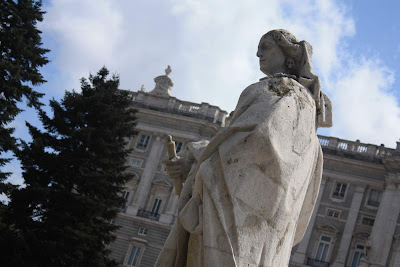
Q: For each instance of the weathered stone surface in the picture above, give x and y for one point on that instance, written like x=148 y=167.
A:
x=251 y=190
x=163 y=84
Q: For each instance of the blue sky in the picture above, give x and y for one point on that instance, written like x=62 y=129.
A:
x=211 y=47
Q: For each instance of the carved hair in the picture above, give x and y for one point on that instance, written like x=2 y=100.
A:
x=299 y=63
x=300 y=53
x=290 y=46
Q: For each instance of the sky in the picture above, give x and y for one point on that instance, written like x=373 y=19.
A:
x=211 y=47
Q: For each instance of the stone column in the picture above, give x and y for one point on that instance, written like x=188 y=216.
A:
x=169 y=215
x=147 y=176
x=385 y=222
x=300 y=254
x=349 y=227
x=396 y=252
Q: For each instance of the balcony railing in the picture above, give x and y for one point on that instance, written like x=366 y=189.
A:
x=355 y=148
x=317 y=263
x=148 y=215
x=172 y=105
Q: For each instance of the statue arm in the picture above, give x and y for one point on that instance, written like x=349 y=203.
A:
x=179 y=166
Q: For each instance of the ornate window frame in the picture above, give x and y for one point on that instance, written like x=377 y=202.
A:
x=328 y=210
x=359 y=238
x=336 y=199
x=139 y=137
x=367 y=217
x=139 y=161
x=329 y=231
x=321 y=241
x=143 y=231
x=367 y=199
x=138 y=243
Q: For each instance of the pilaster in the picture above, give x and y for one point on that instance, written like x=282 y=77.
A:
x=169 y=215
x=385 y=222
x=396 y=252
x=349 y=227
x=147 y=176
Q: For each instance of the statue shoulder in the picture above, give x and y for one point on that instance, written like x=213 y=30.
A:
x=252 y=88
x=279 y=85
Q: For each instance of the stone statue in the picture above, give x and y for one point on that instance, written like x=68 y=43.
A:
x=249 y=192
x=168 y=70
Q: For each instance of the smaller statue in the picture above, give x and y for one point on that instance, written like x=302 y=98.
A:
x=168 y=70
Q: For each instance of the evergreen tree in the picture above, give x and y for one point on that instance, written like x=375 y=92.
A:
x=21 y=58
x=74 y=171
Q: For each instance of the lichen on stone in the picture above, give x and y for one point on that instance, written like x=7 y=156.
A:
x=279 y=86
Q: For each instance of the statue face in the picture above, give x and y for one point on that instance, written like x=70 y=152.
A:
x=272 y=59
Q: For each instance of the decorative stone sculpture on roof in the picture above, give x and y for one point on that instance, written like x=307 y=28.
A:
x=163 y=84
x=250 y=191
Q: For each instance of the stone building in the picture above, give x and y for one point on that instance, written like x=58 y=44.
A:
x=356 y=214
x=357 y=210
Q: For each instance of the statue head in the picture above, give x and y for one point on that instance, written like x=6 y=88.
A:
x=279 y=52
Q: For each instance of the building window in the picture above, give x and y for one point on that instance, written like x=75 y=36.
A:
x=136 y=163
x=156 y=207
x=323 y=248
x=374 y=198
x=125 y=195
x=367 y=221
x=358 y=254
x=143 y=141
x=333 y=213
x=133 y=256
x=340 y=191
x=163 y=168
x=142 y=231
x=179 y=146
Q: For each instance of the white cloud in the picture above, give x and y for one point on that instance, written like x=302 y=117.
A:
x=211 y=46
x=87 y=34
x=365 y=109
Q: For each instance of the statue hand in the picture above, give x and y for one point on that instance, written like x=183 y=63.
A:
x=178 y=167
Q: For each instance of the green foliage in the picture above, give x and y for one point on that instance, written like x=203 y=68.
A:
x=21 y=58
x=74 y=171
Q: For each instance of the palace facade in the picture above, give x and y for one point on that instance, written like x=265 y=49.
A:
x=356 y=216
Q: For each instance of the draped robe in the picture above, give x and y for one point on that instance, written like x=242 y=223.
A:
x=248 y=199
